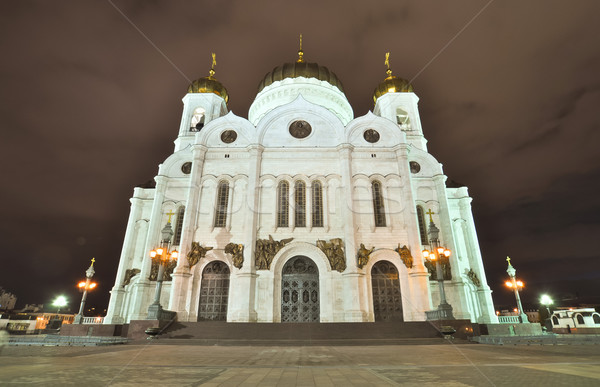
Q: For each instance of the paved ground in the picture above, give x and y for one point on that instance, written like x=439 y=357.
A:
x=411 y=365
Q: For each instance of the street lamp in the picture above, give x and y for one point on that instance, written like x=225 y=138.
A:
x=515 y=285
x=85 y=286
x=436 y=254
x=164 y=256
x=59 y=302
x=546 y=301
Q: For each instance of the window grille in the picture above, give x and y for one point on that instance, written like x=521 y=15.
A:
x=317 y=204
x=222 y=199
x=179 y=225
x=283 y=204
x=422 y=230
x=378 y=209
x=300 y=204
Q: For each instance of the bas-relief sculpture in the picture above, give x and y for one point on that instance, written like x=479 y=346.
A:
x=473 y=277
x=237 y=254
x=196 y=253
x=431 y=266
x=266 y=250
x=129 y=274
x=168 y=269
x=405 y=255
x=362 y=256
x=334 y=250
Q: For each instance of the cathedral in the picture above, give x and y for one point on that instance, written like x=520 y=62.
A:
x=300 y=212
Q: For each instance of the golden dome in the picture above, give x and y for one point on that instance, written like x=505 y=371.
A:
x=391 y=84
x=301 y=69
x=209 y=84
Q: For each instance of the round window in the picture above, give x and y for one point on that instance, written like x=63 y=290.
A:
x=300 y=129
x=228 y=136
x=414 y=167
x=371 y=135
x=186 y=168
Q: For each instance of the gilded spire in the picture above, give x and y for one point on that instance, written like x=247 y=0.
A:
x=212 y=67
x=300 y=52
x=387 y=63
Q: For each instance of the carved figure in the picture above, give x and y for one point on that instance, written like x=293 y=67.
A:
x=266 y=250
x=196 y=253
x=237 y=253
x=446 y=272
x=129 y=274
x=334 y=250
x=473 y=277
x=169 y=267
x=362 y=256
x=405 y=255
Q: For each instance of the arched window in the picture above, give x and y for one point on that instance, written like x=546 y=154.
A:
x=422 y=230
x=596 y=318
x=197 y=122
x=222 y=199
x=580 y=319
x=317 y=204
x=300 y=204
x=378 y=208
x=179 y=225
x=283 y=190
x=402 y=118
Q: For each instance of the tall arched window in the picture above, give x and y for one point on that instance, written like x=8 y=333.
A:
x=580 y=319
x=378 y=209
x=317 y=204
x=283 y=190
x=222 y=199
x=300 y=204
x=197 y=122
x=179 y=225
x=421 y=220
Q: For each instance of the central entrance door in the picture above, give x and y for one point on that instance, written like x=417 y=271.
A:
x=214 y=292
x=387 y=302
x=300 y=291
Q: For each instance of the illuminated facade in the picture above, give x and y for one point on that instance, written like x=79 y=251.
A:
x=302 y=212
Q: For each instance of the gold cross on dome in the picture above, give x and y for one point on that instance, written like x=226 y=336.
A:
x=300 y=52
x=211 y=72
x=170 y=214
x=387 y=60
x=430 y=213
x=508 y=260
x=93 y=260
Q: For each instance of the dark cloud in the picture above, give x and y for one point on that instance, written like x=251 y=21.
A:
x=90 y=108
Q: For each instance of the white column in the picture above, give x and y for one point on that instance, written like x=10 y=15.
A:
x=418 y=275
x=114 y=313
x=181 y=275
x=353 y=278
x=142 y=292
x=242 y=295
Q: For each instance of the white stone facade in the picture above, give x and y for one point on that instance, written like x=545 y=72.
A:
x=336 y=155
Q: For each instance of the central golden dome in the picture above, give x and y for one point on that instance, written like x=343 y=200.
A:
x=301 y=69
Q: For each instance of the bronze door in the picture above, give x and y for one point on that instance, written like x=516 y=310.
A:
x=214 y=292
x=300 y=291
x=387 y=302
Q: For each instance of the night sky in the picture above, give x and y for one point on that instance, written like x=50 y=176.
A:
x=91 y=94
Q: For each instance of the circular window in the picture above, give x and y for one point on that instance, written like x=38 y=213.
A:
x=300 y=129
x=371 y=135
x=186 y=168
x=228 y=136
x=414 y=167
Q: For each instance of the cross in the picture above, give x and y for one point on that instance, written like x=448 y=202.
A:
x=300 y=42
x=214 y=60
x=387 y=60
x=430 y=213
x=170 y=214
x=508 y=260
x=300 y=52
x=93 y=260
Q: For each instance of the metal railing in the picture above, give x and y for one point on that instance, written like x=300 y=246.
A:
x=509 y=319
x=92 y=320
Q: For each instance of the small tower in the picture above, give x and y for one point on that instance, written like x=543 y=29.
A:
x=206 y=99
x=395 y=100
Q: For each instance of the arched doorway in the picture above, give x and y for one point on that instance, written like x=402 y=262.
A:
x=385 y=282
x=214 y=292
x=300 y=291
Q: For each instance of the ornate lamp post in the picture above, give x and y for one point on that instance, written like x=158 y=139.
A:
x=515 y=284
x=164 y=256
x=85 y=286
x=436 y=254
